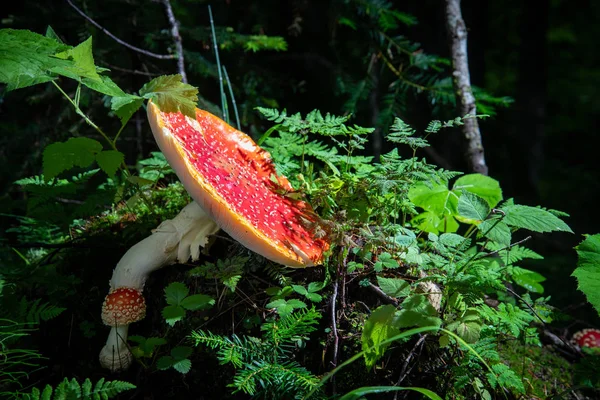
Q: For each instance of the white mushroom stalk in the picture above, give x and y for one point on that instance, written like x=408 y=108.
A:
x=174 y=240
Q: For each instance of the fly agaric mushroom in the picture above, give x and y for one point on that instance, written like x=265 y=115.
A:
x=587 y=338
x=173 y=240
x=236 y=183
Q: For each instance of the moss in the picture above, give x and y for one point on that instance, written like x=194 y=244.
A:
x=544 y=373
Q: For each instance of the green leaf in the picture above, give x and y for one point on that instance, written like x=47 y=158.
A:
x=472 y=207
x=417 y=311
x=181 y=352
x=83 y=62
x=378 y=328
x=27 y=58
x=165 y=362
x=394 y=287
x=50 y=34
x=437 y=199
x=530 y=280
x=104 y=85
x=197 y=302
x=125 y=106
x=588 y=269
x=176 y=292
x=61 y=156
x=468 y=327
x=182 y=366
x=314 y=297
x=451 y=239
x=495 y=230
x=385 y=260
x=171 y=95
x=358 y=394
x=483 y=186
x=285 y=307
x=300 y=289
x=173 y=314
x=110 y=161
x=534 y=219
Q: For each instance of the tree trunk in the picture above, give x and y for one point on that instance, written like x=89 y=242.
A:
x=465 y=100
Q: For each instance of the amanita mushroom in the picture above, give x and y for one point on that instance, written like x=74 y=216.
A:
x=173 y=240
x=235 y=187
x=587 y=338
x=236 y=183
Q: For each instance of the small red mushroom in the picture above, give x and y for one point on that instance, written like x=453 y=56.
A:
x=121 y=307
x=587 y=338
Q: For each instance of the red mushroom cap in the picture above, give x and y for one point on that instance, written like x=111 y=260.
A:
x=587 y=338
x=236 y=183
x=123 y=306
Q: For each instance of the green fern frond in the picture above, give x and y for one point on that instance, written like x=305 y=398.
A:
x=291 y=327
x=71 y=389
x=36 y=311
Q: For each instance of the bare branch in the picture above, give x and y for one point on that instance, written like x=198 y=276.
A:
x=177 y=39
x=462 y=85
x=116 y=39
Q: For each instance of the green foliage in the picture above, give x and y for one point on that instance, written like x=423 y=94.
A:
x=228 y=271
x=145 y=346
x=179 y=302
x=263 y=365
x=178 y=360
x=588 y=269
x=72 y=389
x=79 y=152
x=171 y=94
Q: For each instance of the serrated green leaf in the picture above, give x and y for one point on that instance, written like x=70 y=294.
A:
x=472 y=207
x=197 y=302
x=104 y=85
x=495 y=230
x=394 y=287
x=534 y=219
x=181 y=352
x=182 y=366
x=110 y=161
x=62 y=156
x=125 y=106
x=588 y=269
x=468 y=327
x=314 y=297
x=176 y=292
x=300 y=289
x=171 y=95
x=165 y=362
x=451 y=239
x=378 y=328
x=315 y=286
x=27 y=58
x=83 y=62
x=173 y=314
x=483 y=186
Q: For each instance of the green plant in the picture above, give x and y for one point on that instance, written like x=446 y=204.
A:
x=179 y=302
x=71 y=389
x=265 y=365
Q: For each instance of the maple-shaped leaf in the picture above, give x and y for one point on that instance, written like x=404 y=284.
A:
x=171 y=94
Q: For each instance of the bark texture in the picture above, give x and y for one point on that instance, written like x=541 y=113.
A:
x=465 y=100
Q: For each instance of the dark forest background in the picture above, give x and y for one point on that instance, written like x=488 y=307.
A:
x=534 y=66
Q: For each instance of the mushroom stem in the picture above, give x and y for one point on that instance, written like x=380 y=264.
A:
x=115 y=354
x=174 y=240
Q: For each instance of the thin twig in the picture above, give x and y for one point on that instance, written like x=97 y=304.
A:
x=336 y=339
x=465 y=100
x=177 y=39
x=493 y=253
x=384 y=296
x=233 y=103
x=403 y=372
x=129 y=71
x=121 y=42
